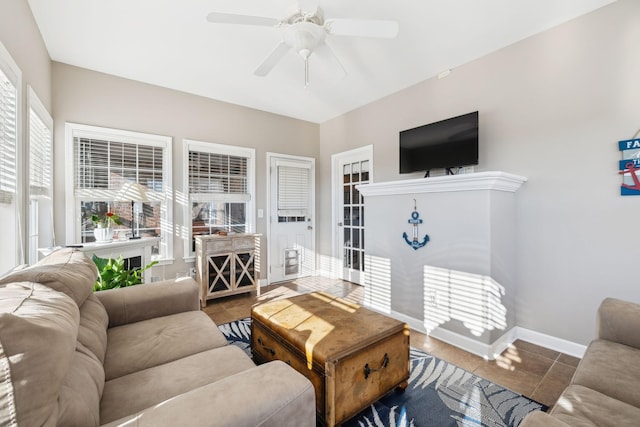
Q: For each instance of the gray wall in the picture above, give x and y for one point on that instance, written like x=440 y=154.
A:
x=21 y=38
x=552 y=108
x=88 y=97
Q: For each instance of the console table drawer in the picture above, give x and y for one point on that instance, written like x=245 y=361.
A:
x=241 y=243
x=215 y=246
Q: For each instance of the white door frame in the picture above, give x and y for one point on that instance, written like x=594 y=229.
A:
x=312 y=197
x=336 y=214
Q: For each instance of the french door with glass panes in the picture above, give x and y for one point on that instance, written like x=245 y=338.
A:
x=351 y=169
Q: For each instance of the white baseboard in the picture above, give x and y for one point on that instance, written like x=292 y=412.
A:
x=491 y=351
x=551 y=342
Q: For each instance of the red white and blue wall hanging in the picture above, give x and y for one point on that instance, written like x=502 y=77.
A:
x=415 y=221
x=629 y=167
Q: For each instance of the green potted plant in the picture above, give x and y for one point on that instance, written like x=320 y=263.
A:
x=114 y=274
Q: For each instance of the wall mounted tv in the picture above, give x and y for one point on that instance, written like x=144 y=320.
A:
x=447 y=144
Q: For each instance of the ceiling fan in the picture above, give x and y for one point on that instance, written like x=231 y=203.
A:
x=305 y=32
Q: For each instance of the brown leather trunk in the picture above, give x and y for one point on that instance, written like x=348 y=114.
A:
x=352 y=355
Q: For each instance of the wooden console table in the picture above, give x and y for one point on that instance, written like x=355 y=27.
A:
x=226 y=265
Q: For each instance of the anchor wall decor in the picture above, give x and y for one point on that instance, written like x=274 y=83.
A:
x=415 y=221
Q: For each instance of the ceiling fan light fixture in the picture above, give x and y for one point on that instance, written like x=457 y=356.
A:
x=304 y=36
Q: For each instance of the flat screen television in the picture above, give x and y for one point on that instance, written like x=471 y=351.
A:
x=445 y=144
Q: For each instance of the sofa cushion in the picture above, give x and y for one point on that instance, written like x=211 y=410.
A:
x=580 y=406
x=81 y=391
x=38 y=330
x=132 y=393
x=612 y=369
x=142 y=302
x=93 y=327
x=152 y=342
x=65 y=270
x=270 y=395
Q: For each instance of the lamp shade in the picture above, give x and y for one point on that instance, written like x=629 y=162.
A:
x=134 y=192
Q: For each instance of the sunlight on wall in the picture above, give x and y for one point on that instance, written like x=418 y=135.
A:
x=473 y=299
x=181 y=198
x=378 y=283
x=182 y=231
x=329 y=266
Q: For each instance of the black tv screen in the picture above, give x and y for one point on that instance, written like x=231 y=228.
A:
x=445 y=144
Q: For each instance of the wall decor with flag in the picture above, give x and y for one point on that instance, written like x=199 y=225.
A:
x=629 y=166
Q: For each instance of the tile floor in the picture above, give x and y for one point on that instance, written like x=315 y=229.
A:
x=528 y=369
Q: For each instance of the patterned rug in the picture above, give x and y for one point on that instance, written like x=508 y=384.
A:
x=439 y=394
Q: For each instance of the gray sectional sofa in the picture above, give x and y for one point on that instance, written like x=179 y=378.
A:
x=605 y=390
x=137 y=356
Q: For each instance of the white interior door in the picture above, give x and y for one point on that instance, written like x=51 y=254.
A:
x=291 y=233
x=350 y=169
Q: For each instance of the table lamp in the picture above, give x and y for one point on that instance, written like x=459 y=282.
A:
x=136 y=193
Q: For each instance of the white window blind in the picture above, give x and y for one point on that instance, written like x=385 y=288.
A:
x=106 y=165
x=217 y=177
x=40 y=157
x=293 y=187
x=8 y=145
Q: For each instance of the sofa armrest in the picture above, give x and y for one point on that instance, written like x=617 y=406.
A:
x=146 y=301
x=619 y=321
x=272 y=394
x=541 y=419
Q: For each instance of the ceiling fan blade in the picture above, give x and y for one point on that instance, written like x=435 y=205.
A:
x=230 y=18
x=274 y=57
x=308 y=7
x=362 y=28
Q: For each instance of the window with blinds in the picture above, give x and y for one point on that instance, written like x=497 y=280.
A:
x=219 y=183
x=40 y=210
x=107 y=159
x=11 y=226
x=8 y=139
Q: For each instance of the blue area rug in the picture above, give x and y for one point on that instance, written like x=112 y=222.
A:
x=439 y=394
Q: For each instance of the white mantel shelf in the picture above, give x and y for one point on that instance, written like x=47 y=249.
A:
x=493 y=180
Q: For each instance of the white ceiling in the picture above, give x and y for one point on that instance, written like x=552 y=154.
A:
x=169 y=43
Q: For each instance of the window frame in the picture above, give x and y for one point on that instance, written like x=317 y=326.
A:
x=223 y=149
x=36 y=106
x=72 y=201
x=14 y=74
